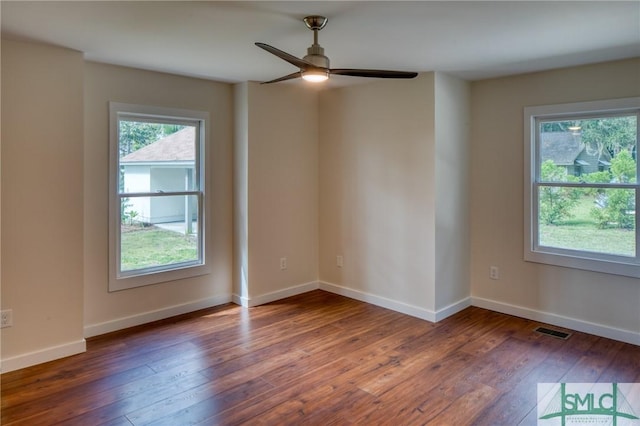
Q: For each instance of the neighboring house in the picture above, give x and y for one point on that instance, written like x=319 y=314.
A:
x=566 y=149
x=165 y=165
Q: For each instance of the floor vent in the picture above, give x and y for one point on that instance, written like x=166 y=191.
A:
x=553 y=333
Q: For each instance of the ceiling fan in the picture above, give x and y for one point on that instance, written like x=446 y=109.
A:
x=315 y=65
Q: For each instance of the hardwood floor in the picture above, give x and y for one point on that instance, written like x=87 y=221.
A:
x=313 y=359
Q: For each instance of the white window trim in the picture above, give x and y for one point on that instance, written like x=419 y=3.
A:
x=179 y=271
x=561 y=257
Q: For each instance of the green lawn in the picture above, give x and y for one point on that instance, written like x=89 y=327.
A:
x=581 y=233
x=147 y=247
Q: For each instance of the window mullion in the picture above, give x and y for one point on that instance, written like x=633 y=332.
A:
x=561 y=184
x=158 y=194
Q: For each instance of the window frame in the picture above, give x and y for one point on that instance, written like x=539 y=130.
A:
x=578 y=259
x=122 y=280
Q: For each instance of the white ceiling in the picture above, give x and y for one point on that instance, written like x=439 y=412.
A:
x=215 y=40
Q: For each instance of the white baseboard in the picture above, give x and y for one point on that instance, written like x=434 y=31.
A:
x=73 y=348
x=383 y=302
x=621 y=335
x=145 y=317
x=454 y=308
x=248 y=302
x=43 y=355
x=239 y=300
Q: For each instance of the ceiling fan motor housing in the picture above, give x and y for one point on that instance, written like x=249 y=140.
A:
x=315 y=55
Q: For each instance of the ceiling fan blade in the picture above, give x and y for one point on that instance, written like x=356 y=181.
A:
x=373 y=73
x=286 y=77
x=286 y=56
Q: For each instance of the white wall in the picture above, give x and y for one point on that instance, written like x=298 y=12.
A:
x=594 y=302
x=378 y=193
x=241 y=193
x=276 y=190
x=106 y=311
x=452 y=163
x=42 y=202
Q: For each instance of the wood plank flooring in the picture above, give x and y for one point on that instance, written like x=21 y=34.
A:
x=312 y=359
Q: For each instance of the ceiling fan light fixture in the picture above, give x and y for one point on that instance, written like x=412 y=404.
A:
x=315 y=76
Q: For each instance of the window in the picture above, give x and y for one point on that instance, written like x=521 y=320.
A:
x=157 y=195
x=581 y=185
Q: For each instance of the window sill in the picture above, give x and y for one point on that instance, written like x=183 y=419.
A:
x=582 y=261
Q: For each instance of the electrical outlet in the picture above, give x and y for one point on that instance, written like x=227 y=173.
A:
x=283 y=263
x=494 y=273
x=6 y=318
x=339 y=261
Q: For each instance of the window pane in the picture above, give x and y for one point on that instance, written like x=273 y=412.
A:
x=158 y=231
x=585 y=150
x=587 y=219
x=156 y=157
